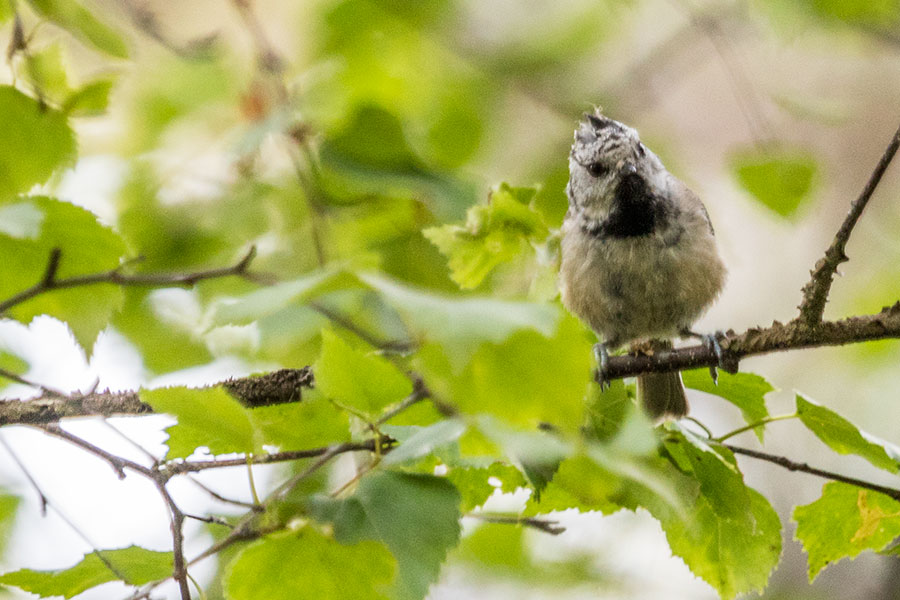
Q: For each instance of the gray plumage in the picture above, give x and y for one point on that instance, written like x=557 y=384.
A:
x=639 y=257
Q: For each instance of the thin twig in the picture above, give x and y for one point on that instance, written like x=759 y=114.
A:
x=118 y=463
x=791 y=465
x=50 y=281
x=311 y=195
x=743 y=91
x=42 y=497
x=179 y=566
x=267 y=57
x=146 y=22
x=272 y=64
x=393 y=346
x=21 y=380
x=815 y=292
x=149 y=455
x=545 y=525
x=210 y=519
x=173 y=468
x=245 y=530
x=46 y=503
x=217 y=496
x=419 y=393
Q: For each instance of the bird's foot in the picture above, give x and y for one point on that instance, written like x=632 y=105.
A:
x=710 y=341
x=602 y=355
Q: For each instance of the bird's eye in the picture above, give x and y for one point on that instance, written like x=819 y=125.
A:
x=597 y=169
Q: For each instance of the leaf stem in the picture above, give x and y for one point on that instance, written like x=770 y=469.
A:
x=250 y=479
x=699 y=424
x=760 y=423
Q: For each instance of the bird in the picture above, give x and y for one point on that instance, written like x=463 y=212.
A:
x=639 y=259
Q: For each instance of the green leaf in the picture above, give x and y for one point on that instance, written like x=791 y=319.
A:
x=419 y=540
x=11 y=363
x=35 y=140
x=843 y=437
x=163 y=346
x=538 y=452
x=87 y=247
x=206 y=417
x=306 y=565
x=70 y=15
x=529 y=445
x=493 y=234
x=366 y=382
x=715 y=468
x=171 y=88
x=174 y=236
x=496 y=545
x=607 y=409
x=514 y=379
x=781 y=180
x=745 y=390
x=878 y=13
x=9 y=506
x=477 y=484
x=6 y=12
x=423 y=441
x=579 y=483
x=310 y=423
x=136 y=565
x=844 y=522
x=462 y=325
x=270 y=300
x=733 y=556
x=47 y=73
x=89 y=100
x=374 y=137
x=606 y=480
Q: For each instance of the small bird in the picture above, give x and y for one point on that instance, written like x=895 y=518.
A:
x=639 y=256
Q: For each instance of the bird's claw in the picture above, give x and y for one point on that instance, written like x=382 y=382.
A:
x=710 y=341
x=602 y=356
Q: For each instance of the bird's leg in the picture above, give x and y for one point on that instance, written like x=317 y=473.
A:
x=601 y=354
x=711 y=342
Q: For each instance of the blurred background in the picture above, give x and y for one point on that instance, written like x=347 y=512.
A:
x=335 y=130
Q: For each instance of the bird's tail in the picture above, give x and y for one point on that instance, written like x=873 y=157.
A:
x=662 y=394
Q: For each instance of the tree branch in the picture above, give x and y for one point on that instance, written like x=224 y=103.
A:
x=277 y=387
x=815 y=293
x=50 y=280
x=777 y=337
x=284 y=385
x=791 y=465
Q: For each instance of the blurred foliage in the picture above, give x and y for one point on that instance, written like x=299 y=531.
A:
x=361 y=161
x=780 y=180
